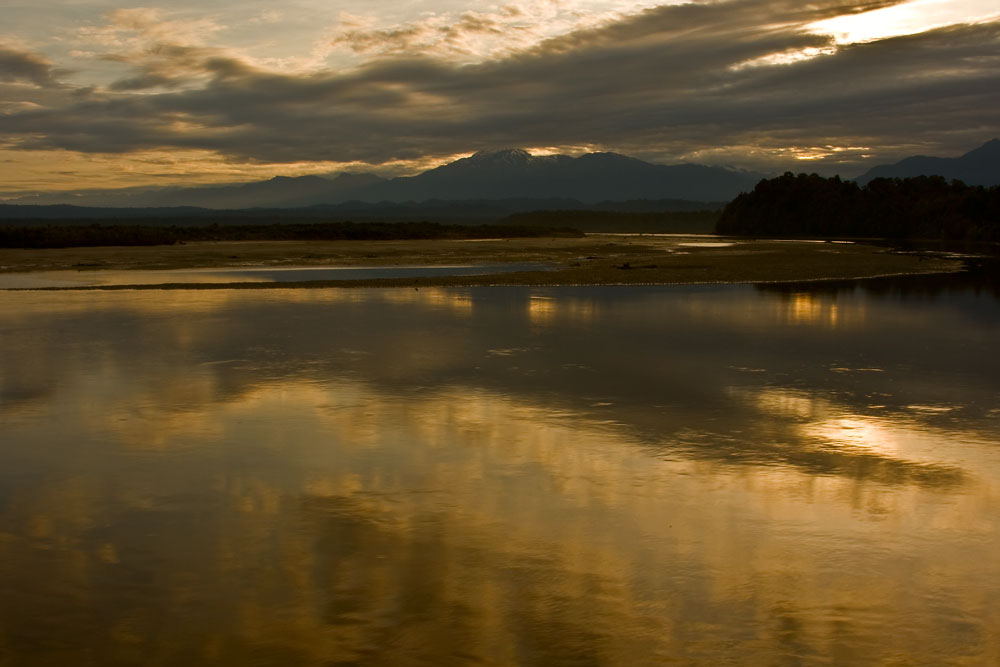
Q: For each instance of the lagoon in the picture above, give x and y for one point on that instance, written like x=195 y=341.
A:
x=583 y=475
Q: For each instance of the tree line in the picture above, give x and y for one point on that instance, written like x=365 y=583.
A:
x=648 y=222
x=808 y=205
x=121 y=233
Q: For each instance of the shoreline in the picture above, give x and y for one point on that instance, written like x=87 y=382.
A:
x=597 y=260
x=430 y=283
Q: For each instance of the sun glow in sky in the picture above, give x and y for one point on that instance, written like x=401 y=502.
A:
x=908 y=18
x=103 y=94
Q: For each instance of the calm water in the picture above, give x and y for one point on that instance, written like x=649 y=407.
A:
x=592 y=476
x=250 y=274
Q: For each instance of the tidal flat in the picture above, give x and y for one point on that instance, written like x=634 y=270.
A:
x=597 y=259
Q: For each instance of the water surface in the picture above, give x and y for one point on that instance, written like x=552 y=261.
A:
x=248 y=274
x=600 y=476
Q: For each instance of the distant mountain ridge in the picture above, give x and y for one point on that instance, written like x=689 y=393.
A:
x=980 y=166
x=509 y=174
x=278 y=192
x=590 y=178
x=487 y=175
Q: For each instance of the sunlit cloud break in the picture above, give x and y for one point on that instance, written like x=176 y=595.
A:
x=908 y=18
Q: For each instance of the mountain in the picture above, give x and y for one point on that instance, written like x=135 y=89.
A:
x=278 y=192
x=590 y=178
x=977 y=167
x=496 y=175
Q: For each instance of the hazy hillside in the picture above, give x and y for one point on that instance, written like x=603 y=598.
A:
x=498 y=175
x=977 y=167
x=589 y=178
x=278 y=192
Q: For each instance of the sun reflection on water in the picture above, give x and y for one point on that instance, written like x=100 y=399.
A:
x=381 y=476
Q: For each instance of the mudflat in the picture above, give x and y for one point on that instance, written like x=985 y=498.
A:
x=596 y=259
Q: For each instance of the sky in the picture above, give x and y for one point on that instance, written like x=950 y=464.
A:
x=100 y=94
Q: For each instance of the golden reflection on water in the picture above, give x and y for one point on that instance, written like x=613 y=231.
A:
x=893 y=437
x=798 y=308
x=489 y=491
x=544 y=310
x=454 y=300
x=806 y=309
x=541 y=309
x=20 y=305
x=268 y=493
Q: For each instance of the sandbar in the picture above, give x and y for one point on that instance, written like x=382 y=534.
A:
x=596 y=259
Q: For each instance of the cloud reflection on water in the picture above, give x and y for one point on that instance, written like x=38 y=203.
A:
x=390 y=475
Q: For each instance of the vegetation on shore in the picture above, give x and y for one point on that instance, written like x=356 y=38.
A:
x=133 y=233
x=647 y=222
x=927 y=207
x=791 y=206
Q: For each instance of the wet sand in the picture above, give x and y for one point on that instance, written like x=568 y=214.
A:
x=593 y=260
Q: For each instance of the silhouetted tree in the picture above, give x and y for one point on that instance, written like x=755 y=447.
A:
x=812 y=206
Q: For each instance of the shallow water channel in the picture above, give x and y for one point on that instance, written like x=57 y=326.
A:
x=601 y=476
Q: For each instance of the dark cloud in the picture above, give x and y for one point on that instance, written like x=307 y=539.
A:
x=668 y=81
x=17 y=65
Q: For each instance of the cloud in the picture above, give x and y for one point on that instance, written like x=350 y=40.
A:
x=268 y=16
x=140 y=26
x=664 y=83
x=160 y=51
x=23 y=66
x=470 y=36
